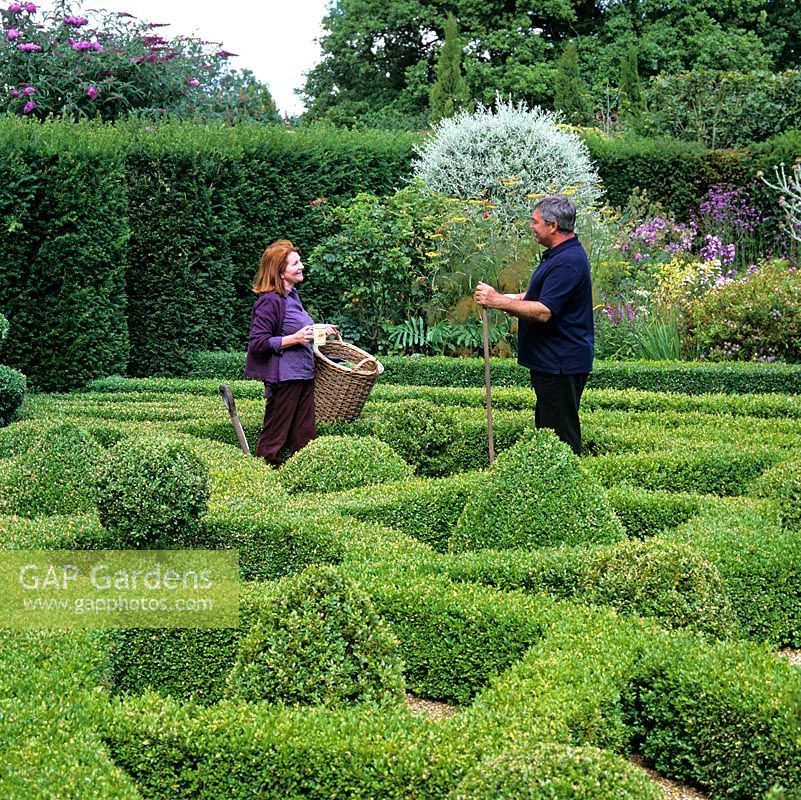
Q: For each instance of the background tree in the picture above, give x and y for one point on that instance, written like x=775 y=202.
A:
x=241 y=96
x=450 y=92
x=631 y=96
x=379 y=59
x=570 y=92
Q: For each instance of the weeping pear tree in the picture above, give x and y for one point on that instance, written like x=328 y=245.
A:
x=509 y=155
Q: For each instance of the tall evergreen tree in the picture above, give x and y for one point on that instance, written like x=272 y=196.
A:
x=449 y=92
x=570 y=92
x=631 y=97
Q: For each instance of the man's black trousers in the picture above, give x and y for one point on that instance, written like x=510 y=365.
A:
x=558 y=399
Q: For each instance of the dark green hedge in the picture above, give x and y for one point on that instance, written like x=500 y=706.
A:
x=63 y=252
x=675 y=173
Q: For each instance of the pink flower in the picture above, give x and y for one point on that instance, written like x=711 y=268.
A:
x=226 y=54
x=92 y=92
x=15 y=8
x=193 y=81
x=29 y=47
x=14 y=93
x=29 y=106
x=29 y=90
x=76 y=22
x=30 y=8
x=84 y=45
x=12 y=33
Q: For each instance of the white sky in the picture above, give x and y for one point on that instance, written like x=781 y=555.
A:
x=273 y=38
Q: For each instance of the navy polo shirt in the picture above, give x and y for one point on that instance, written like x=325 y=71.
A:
x=565 y=344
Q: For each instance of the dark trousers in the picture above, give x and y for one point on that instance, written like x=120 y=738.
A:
x=558 y=398
x=288 y=420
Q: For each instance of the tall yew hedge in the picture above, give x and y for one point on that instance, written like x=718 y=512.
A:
x=62 y=253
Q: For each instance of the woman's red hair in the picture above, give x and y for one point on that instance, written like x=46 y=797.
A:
x=273 y=261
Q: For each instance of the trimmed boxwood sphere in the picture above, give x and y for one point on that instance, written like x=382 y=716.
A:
x=425 y=435
x=536 y=495
x=334 y=463
x=671 y=581
x=318 y=641
x=151 y=491
x=549 y=771
x=53 y=474
x=12 y=391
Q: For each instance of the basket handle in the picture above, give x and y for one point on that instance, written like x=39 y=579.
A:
x=356 y=366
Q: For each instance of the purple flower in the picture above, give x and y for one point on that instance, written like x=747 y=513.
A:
x=28 y=107
x=137 y=59
x=76 y=22
x=15 y=8
x=30 y=8
x=714 y=249
x=226 y=54
x=92 y=92
x=14 y=93
x=12 y=33
x=85 y=45
x=193 y=81
x=29 y=90
x=29 y=47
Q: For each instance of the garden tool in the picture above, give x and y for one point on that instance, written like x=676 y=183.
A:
x=228 y=398
x=490 y=438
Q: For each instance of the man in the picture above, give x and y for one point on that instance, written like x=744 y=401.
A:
x=555 y=329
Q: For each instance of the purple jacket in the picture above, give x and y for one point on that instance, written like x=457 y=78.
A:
x=266 y=322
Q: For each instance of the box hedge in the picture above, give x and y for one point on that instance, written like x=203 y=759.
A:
x=151 y=491
x=759 y=562
x=53 y=475
x=549 y=770
x=679 y=377
x=783 y=484
x=317 y=640
x=706 y=470
x=425 y=508
x=271 y=541
x=12 y=391
x=333 y=463
x=536 y=495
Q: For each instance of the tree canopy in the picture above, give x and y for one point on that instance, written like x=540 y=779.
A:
x=378 y=59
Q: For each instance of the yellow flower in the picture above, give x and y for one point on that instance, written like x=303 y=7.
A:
x=432 y=254
x=480 y=245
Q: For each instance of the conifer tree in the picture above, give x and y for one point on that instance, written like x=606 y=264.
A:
x=570 y=92
x=450 y=92
x=631 y=97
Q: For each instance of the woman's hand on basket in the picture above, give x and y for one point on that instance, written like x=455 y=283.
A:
x=331 y=330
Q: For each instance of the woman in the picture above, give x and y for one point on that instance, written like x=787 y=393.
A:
x=279 y=353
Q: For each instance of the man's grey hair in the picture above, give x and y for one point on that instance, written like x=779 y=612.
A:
x=560 y=209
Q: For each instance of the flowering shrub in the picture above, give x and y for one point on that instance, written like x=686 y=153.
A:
x=731 y=227
x=509 y=155
x=66 y=64
x=658 y=240
x=755 y=317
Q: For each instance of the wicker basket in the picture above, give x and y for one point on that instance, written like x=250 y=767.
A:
x=340 y=392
